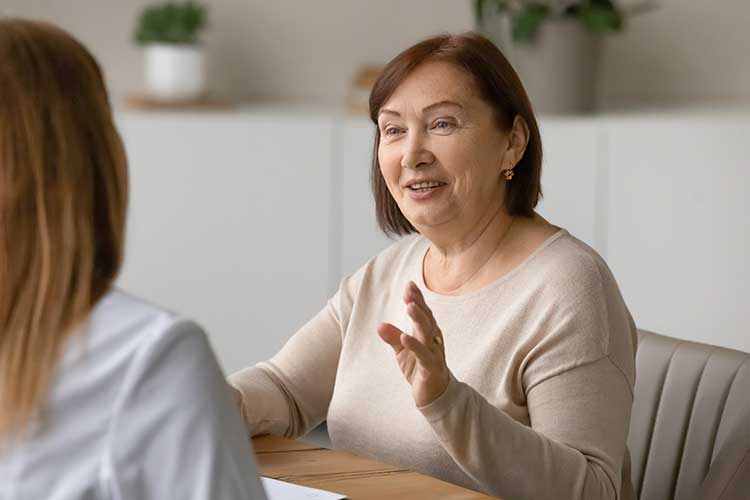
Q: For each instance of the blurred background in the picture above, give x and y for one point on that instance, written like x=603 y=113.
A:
x=683 y=52
x=250 y=197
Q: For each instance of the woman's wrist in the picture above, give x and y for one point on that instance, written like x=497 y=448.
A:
x=436 y=408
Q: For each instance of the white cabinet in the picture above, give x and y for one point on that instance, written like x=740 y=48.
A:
x=678 y=229
x=229 y=222
x=247 y=221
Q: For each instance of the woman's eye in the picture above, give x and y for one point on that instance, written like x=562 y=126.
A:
x=443 y=125
x=392 y=130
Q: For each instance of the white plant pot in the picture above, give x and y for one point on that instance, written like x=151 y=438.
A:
x=558 y=68
x=175 y=72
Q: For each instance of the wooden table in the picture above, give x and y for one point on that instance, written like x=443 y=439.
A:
x=358 y=478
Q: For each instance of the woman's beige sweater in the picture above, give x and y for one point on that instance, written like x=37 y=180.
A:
x=542 y=364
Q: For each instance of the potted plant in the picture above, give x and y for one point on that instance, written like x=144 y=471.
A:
x=174 y=57
x=554 y=45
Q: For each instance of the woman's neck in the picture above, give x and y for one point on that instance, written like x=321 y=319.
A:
x=453 y=263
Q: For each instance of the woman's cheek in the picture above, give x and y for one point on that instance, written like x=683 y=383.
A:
x=391 y=169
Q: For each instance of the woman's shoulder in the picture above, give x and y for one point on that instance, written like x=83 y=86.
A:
x=119 y=311
x=407 y=249
x=121 y=324
x=403 y=254
x=568 y=263
x=138 y=341
x=375 y=277
x=585 y=315
x=568 y=278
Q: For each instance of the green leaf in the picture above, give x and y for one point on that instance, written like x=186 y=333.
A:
x=171 y=22
x=480 y=8
x=479 y=11
x=600 y=18
x=526 y=22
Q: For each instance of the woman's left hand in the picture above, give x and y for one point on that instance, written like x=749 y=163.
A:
x=421 y=356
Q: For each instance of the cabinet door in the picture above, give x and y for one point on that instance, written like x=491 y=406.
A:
x=229 y=222
x=572 y=176
x=678 y=229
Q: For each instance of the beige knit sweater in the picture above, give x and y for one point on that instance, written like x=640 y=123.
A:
x=543 y=372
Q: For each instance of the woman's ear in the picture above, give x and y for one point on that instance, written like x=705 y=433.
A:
x=518 y=139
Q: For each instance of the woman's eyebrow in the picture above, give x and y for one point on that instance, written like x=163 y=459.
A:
x=426 y=109
x=386 y=111
x=441 y=104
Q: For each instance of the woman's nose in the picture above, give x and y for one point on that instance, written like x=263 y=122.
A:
x=416 y=154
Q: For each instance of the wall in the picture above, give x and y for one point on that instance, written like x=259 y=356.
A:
x=250 y=237
x=271 y=50
x=686 y=51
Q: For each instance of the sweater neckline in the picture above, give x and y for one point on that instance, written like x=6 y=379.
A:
x=490 y=287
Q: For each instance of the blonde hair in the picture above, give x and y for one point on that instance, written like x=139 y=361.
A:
x=63 y=201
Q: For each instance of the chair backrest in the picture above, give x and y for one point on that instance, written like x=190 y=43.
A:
x=690 y=421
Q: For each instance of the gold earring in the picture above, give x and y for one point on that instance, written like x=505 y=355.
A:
x=509 y=174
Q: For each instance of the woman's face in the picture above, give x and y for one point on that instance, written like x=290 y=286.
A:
x=435 y=129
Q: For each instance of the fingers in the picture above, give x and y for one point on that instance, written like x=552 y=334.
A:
x=422 y=353
x=418 y=314
x=426 y=328
x=414 y=295
x=418 y=295
x=391 y=336
x=423 y=327
x=422 y=342
x=399 y=341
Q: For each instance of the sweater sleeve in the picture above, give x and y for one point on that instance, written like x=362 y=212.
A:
x=290 y=393
x=575 y=445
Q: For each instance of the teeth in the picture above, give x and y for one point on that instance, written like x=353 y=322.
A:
x=422 y=185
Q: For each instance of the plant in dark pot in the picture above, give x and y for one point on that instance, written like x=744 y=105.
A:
x=174 y=57
x=554 y=44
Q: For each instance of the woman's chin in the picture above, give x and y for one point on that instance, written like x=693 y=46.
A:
x=427 y=222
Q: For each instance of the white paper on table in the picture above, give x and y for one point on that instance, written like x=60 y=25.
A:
x=280 y=490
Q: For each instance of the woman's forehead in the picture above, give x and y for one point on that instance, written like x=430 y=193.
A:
x=431 y=83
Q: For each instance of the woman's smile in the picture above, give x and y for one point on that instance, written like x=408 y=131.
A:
x=425 y=191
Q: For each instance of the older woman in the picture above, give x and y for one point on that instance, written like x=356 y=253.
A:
x=494 y=349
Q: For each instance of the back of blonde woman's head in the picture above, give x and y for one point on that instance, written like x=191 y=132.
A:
x=63 y=199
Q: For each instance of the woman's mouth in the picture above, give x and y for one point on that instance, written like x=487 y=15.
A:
x=424 y=190
x=425 y=186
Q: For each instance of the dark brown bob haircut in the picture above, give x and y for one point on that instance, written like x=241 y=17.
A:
x=498 y=85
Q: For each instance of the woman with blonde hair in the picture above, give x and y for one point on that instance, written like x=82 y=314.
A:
x=101 y=394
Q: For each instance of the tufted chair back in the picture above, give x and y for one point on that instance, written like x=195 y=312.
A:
x=690 y=426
